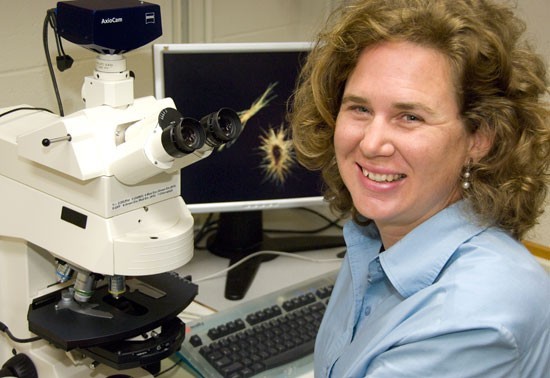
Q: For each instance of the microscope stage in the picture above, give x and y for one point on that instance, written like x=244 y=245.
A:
x=152 y=302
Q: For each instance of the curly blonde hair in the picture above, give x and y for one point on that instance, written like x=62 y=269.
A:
x=500 y=84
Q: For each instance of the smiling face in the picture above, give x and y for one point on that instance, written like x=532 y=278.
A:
x=399 y=141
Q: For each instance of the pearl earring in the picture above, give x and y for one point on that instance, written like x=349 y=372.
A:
x=466 y=176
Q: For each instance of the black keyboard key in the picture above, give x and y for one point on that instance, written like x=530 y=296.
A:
x=246 y=372
x=195 y=340
x=291 y=354
x=231 y=368
x=298 y=302
x=226 y=329
x=221 y=362
x=324 y=292
x=263 y=315
x=257 y=367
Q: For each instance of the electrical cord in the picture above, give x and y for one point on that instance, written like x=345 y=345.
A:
x=52 y=19
x=167 y=370
x=207 y=227
x=210 y=225
x=331 y=223
x=256 y=254
x=4 y=328
x=24 y=108
x=49 y=61
x=63 y=61
x=189 y=364
x=182 y=360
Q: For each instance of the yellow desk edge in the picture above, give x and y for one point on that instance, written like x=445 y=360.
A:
x=539 y=250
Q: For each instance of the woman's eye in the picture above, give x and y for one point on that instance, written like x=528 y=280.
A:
x=411 y=118
x=360 y=109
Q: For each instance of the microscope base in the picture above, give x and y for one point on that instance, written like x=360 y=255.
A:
x=55 y=363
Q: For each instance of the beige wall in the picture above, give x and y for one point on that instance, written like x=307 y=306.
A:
x=255 y=21
x=24 y=78
x=535 y=13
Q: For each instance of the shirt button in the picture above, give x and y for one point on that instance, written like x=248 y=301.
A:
x=367 y=311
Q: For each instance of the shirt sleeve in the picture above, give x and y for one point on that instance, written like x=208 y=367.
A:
x=473 y=353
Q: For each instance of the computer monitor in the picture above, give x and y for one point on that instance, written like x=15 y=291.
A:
x=259 y=171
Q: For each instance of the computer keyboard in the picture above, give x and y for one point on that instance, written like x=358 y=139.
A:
x=269 y=336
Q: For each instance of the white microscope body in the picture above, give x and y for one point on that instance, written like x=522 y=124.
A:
x=124 y=230
x=96 y=193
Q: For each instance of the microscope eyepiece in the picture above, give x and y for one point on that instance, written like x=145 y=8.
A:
x=180 y=136
x=221 y=127
x=190 y=135
x=183 y=135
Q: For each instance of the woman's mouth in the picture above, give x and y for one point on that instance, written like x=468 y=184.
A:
x=378 y=177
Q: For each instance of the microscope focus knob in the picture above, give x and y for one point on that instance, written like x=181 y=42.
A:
x=19 y=365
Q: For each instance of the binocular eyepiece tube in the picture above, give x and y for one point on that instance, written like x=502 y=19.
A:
x=183 y=135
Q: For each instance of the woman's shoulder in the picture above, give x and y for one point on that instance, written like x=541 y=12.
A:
x=493 y=253
x=498 y=281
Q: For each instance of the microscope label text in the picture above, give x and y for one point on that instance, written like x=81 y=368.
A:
x=112 y=20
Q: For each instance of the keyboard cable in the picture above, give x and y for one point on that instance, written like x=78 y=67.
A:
x=256 y=254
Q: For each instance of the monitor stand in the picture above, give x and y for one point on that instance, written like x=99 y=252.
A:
x=240 y=234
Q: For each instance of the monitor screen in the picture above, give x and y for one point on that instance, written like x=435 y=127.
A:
x=259 y=170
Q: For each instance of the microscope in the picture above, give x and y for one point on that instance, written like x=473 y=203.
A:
x=93 y=224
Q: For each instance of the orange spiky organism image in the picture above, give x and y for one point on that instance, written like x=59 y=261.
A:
x=277 y=154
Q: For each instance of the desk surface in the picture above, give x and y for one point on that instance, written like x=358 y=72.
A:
x=272 y=275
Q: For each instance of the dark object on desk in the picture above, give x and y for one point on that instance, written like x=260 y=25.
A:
x=274 y=331
x=241 y=234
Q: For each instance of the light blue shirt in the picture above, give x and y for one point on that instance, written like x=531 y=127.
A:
x=451 y=299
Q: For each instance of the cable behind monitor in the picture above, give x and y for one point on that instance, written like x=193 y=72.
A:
x=240 y=234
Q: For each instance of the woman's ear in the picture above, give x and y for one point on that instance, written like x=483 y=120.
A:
x=480 y=144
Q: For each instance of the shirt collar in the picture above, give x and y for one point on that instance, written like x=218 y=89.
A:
x=416 y=261
x=363 y=246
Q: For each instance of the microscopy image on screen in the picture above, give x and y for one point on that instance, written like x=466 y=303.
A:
x=261 y=164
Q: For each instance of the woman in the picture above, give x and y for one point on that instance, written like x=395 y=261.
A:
x=427 y=120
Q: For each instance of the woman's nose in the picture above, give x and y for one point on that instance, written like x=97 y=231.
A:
x=377 y=138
